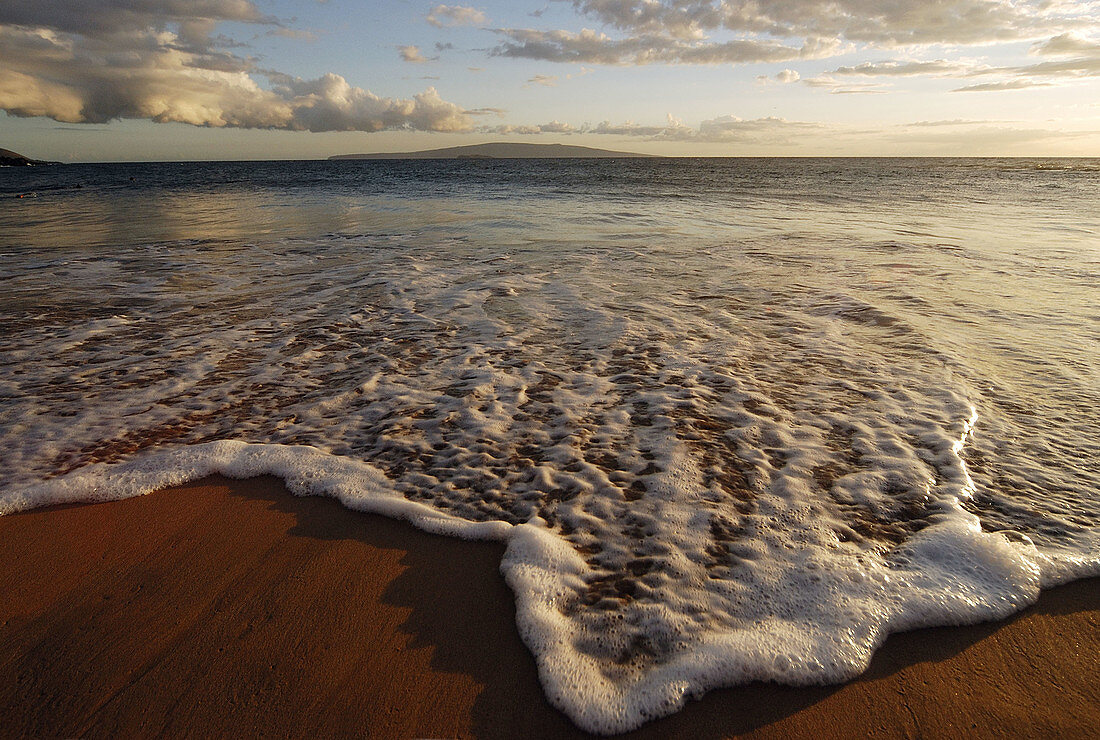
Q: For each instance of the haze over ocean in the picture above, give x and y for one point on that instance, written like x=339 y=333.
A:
x=736 y=419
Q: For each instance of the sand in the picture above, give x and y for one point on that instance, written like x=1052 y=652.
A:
x=232 y=608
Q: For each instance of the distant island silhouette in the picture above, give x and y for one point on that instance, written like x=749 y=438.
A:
x=9 y=158
x=501 y=150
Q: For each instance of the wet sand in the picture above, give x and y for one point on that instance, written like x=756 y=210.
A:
x=233 y=608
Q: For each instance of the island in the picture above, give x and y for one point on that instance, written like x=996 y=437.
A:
x=9 y=158
x=502 y=150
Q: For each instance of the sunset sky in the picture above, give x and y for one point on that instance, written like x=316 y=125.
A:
x=240 y=79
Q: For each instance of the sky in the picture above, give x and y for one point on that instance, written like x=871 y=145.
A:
x=159 y=80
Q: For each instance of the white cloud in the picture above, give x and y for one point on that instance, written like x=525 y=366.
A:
x=842 y=87
x=331 y=104
x=412 y=55
x=1066 y=68
x=952 y=122
x=1079 y=57
x=1003 y=85
x=456 y=15
x=721 y=130
x=783 y=77
x=554 y=127
x=1067 y=44
x=629 y=128
x=552 y=80
x=932 y=68
x=981 y=138
x=769 y=136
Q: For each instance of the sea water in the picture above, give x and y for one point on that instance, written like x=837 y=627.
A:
x=736 y=419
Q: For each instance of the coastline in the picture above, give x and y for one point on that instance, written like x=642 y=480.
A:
x=231 y=607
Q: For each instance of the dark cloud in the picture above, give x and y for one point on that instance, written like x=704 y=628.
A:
x=486 y=112
x=697 y=31
x=591 y=47
x=93 y=18
x=92 y=61
x=897 y=22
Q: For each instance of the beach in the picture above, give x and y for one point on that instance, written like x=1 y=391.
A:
x=226 y=607
x=674 y=368
x=714 y=422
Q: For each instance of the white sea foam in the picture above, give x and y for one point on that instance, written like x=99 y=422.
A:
x=806 y=614
x=717 y=453
x=306 y=471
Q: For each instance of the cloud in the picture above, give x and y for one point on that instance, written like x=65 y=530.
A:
x=293 y=33
x=456 y=15
x=980 y=138
x=888 y=69
x=412 y=55
x=1066 y=68
x=331 y=104
x=902 y=22
x=629 y=128
x=99 y=18
x=486 y=112
x=933 y=68
x=773 y=135
x=592 y=47
x=842 y=87
x=639 y=32
x=732 y=129
x=554 y=127
x=953 y=122
x=1067 y=44
x=161 y=60
x=784 y=77
x=721 y=130
x=1079 y=58
x=544 y=80
x=1003 y=85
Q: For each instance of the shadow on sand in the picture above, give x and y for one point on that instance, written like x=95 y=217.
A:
x=461 y=607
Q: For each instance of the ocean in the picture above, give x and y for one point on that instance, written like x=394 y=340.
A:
x=736 y=419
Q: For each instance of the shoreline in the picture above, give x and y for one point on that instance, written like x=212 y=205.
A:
x=231 y=607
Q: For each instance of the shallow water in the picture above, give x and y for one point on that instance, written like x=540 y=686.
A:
x=737 y=419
